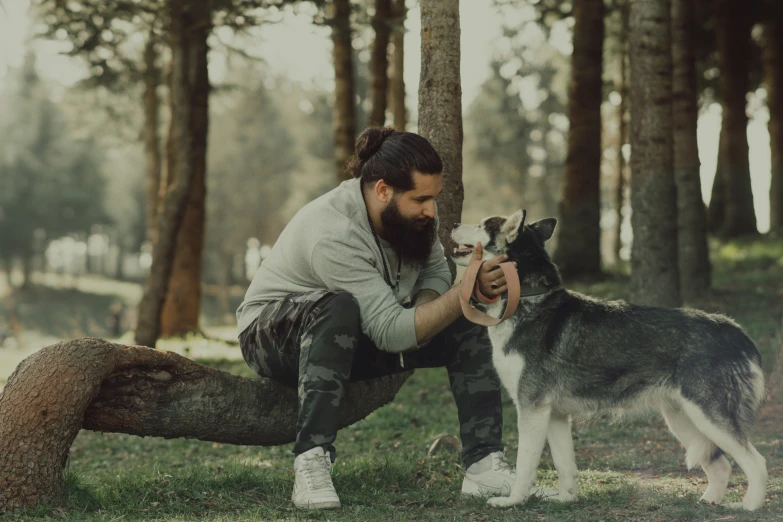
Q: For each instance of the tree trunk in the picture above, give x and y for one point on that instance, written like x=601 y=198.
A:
x=734 y=46
x=440 y=106
x=621 y=85
x=379 y=62
x=578 y=252
x=773 y=81
x=100 y=386
x=182 y=307
x=151 y=138
x=169 y=165
x=396 y=78
x=27 y=270
x=694 y=260
x=8 y=266
x=184 y=56
x=119 y=272
x=716 y=212
x=344 y=92
x=654 y=270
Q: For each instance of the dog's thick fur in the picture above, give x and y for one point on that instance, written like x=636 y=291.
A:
x=564 y=354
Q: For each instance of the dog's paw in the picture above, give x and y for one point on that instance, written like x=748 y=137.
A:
x=745 y=505
x=714 y=500
x=564 y=497
x=542 y=492
x=554 y=495
x=501 y=502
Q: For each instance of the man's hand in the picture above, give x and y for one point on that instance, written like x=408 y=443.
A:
x=491 y=280
x=434 y=316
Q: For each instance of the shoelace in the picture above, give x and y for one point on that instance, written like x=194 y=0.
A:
x=318 y=473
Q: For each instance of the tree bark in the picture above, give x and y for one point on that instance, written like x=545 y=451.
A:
x=440 y=106
x=734 y=46
x=379 y=62
x=151 y=138
x=8 y=267
x=344 y=90
x=773 y=82
x=578 y=252
x=397 y=68
x=183 y=56
x=621 y=85
x=654 y=267
x=716 y=212
x=100 y=386
x=27 y=270
x=694 y=261
x=119 y=269
x=182 y=307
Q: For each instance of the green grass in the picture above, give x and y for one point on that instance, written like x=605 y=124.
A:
x=628 y=471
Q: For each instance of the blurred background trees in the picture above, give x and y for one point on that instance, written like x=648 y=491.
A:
x=86 y=166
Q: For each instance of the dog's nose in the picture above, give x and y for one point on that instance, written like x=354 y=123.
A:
x=455 y=225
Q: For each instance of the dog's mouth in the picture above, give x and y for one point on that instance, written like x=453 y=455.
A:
x=462 y=251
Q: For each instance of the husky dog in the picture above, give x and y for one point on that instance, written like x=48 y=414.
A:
x=564 y=354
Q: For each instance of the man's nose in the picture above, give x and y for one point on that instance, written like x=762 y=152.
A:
x=429 y=211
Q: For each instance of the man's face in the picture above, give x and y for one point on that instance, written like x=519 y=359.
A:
x=409 y=219
x=418 y=204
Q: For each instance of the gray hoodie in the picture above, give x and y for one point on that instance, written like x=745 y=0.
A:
x=329 y=245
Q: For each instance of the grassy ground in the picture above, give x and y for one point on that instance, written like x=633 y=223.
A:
x=629 y=471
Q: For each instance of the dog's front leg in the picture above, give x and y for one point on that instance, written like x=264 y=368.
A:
x=532 y=424
x=561 y=444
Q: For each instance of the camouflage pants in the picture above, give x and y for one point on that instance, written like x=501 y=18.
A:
x=314 y=341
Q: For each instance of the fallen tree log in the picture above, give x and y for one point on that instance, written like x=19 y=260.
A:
x=101 y=386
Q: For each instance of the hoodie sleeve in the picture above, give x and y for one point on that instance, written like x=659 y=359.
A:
x=340 y=266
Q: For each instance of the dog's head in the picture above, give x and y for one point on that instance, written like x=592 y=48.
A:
x=509 y=235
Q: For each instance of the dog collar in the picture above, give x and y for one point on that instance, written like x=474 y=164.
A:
x=466 y=290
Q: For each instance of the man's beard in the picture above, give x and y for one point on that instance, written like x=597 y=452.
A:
x=411 y=238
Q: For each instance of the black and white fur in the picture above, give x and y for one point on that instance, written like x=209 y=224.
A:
x=564 y=354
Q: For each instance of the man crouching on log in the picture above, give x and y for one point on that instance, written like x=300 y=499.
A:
x=357 y=287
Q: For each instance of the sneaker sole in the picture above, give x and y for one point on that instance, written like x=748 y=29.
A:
x=322 y=504
x=474 y=489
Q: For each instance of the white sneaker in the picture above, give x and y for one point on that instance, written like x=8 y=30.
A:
x=492 y=475
x=313 y=488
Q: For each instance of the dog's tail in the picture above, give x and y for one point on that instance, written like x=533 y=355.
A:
x=736 y=411
x=749 y=395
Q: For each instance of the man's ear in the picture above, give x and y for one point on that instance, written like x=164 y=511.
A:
x=544 y=228
x=512 y=225
x=383 y=192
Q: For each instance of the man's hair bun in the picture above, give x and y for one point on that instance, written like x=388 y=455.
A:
x=392 y=156
x=369 y=142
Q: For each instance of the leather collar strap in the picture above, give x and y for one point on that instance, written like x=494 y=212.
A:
x=469 y=282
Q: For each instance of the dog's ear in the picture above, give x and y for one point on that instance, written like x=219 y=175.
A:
x=544 y=228
x=512 y=225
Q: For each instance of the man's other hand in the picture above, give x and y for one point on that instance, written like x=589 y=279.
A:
x=491 y=280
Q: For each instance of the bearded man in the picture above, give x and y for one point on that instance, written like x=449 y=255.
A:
x=356 y=287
